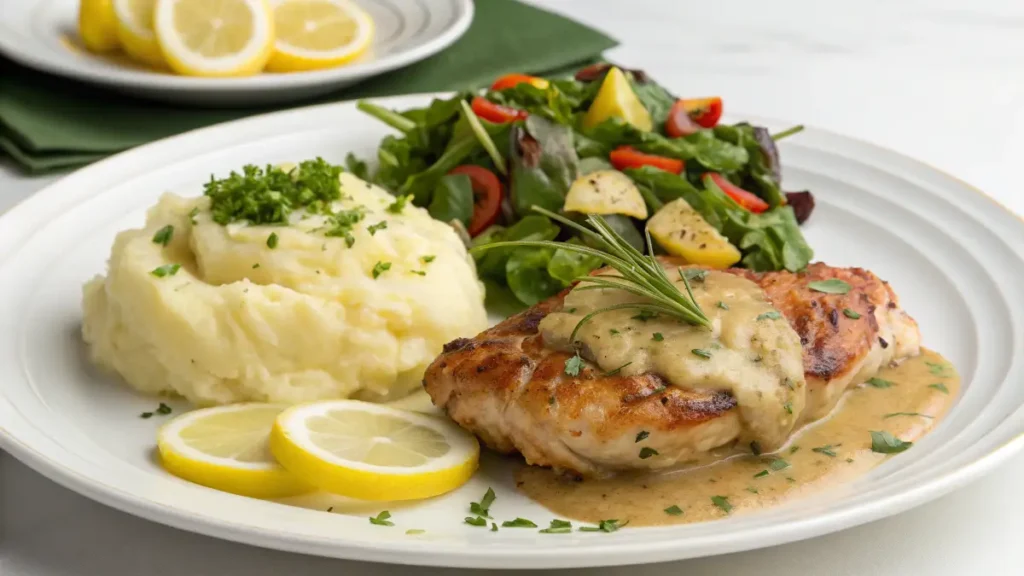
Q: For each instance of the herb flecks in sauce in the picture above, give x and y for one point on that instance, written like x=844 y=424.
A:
x=738 y=478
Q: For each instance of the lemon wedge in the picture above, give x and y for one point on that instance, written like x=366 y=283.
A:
x=373 y=452
x=315 y=34
x=215 y=37
x=97 y=25
x=135 y=31
x=227 y=448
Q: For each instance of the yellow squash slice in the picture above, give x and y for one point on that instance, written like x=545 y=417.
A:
x=605 y=192
x=682 y=231
x=616 y=99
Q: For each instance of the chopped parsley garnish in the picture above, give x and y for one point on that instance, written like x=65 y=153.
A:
x=613 y=331
x=851 y=314
x=398 y=205
x=658 y=337
x=751 y=489
x=558 y=527
x=382 y=519
x=162 y=409
x=413 y=531
x=518 y=523
x=483 y=507
x=755 y=448
x=163 y=236
x=879 y=383
x=646 y=452
x=342 y=222
x=761 y=474
x=645 y=315
x=615 y=371
x=937 y=369
x=373 y=228
x=573 y=365
x=940 y=387
x=603 y=526
x=494 y=526
x=642 y=436
x=794 y=449
x=827 y=450
x=722 y=503
x=476 y=521
x=674 y=510
x=571 y=311
x=885 y=443
x=428 y=259
x=272 y=240
x=770 y=315
x=380 y=268
x=192 y=215
x=788 y=407
x=418 y=272
x=722 y=305
x=256 y=265
x=830 y=286
x=894 y=414
x=849 y=460
x=166 y=270
x=692 y=275
x=701 y=352
x=269 y=195
x=778 y=464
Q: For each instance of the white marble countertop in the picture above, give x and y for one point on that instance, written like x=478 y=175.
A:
x=939 y=80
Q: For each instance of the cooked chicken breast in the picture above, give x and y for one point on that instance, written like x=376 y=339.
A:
x=511 y=388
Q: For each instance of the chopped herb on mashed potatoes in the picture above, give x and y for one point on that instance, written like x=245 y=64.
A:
x=279 y=296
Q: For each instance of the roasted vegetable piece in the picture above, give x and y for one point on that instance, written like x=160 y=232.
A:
x=626 y=157
x=705 y=111
x=605 y=192
x=616 y=99
x=512 y=80
x=496 y=113
x=487 y=196
x=681 y=231
x=748 y=200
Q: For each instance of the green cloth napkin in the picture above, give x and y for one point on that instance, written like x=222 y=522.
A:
x=50 y=123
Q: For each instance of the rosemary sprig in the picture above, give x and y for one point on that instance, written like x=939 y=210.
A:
x=639 y=274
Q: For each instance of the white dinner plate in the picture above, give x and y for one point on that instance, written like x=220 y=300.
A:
x=42 y=34
x=954 y=256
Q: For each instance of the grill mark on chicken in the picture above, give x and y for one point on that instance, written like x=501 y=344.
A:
x=511 y=391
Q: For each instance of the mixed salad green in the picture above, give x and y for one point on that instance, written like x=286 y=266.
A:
x=706 y=191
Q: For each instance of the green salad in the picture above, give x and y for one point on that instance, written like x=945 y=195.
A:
x=607 y=142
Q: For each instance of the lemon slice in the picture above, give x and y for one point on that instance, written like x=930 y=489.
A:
x=373 y=452
x=97 y=25
x=214 y=37
x=226 y=448
x=135 y=31
x=315 y=34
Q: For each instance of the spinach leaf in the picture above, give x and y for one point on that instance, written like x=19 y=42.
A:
x=710 y=152
x=762 y=175
x=357 y=167
x=544 y=165
x=717 y=155
x=567 y=266
x=499 y=299
x=657 y=100
x=527 y=275
x=549 y=102
x=491 y=264
x=587 y=147
x=623 y=226
x=453 y=199
x=588 y=165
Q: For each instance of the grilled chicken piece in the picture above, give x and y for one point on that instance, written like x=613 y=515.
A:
x=506 y=387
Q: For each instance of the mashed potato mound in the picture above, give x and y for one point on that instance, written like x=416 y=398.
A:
x=292 y=317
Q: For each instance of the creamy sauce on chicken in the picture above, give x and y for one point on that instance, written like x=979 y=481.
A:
x=751 y=351
x=906 y=401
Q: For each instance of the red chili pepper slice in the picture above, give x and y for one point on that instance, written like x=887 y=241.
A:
x=496 y=113
x=487 y=195
x=747 y=200
x=705 y=111
x=626 y=157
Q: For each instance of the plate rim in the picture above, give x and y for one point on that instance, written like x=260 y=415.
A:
x=418 y=553
x=122 y=79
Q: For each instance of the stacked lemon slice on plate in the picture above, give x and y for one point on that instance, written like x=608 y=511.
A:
x=228 y=37
x=352 y=448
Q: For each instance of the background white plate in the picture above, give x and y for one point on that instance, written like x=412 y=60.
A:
x=42 y=34
x=954 y=256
